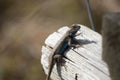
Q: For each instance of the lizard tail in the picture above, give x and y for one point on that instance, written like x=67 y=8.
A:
x=50 y=69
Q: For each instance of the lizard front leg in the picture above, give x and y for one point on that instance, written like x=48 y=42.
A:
x=73 y=43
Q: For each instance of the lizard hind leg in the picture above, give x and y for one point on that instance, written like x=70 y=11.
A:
x=59 y=59
x=68 y=59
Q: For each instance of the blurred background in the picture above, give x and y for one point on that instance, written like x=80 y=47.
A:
x=25 y=24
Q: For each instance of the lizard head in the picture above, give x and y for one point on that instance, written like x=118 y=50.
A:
x=74 y=29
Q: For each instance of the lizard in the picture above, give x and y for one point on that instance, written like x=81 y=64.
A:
x=66 y=43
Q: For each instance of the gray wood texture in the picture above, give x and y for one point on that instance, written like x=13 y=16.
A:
x=88 y=61
x=111 y=43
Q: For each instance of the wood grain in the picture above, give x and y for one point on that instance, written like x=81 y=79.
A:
x=88 y=64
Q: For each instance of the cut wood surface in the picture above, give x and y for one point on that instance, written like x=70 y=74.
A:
x=88 y=64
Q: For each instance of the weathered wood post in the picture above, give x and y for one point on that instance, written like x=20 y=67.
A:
x=111 y=43
x=88 y=61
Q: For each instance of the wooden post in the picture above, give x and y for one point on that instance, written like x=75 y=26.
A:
x=111 y=43
x=88 y=61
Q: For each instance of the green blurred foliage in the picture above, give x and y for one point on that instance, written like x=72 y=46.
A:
x=24 y=25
